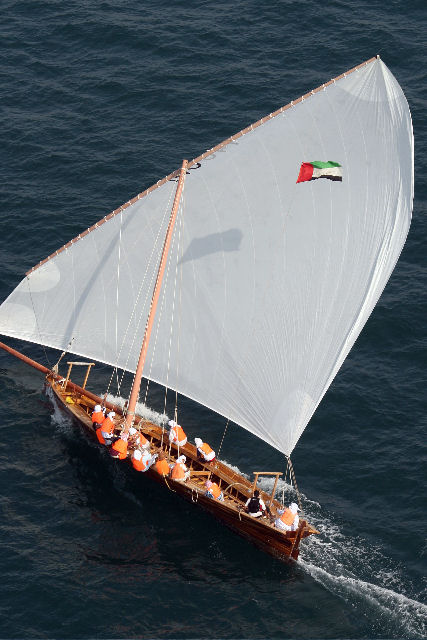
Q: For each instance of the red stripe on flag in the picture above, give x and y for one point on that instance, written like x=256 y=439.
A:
x=306 y=172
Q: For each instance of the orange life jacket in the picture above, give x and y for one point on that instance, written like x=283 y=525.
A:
x=141 y=440
x=287 y=517
x=215 y=490
x=138 y=464
x=206 y=449
x=162 y=467
x=100 y=436
x=178 y=472
x=98 y=416
x=121 y=447
x=108 y=425
x=180 y=434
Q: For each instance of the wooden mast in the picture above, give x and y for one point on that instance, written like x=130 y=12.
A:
x=130 y=414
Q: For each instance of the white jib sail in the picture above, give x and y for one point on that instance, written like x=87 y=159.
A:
x=270 y=282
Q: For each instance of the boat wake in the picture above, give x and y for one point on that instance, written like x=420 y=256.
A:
x=387 y=613
x=61 y=421
x=357 y=571
x=360 y=573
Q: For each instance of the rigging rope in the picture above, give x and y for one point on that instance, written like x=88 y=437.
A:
x=294 y=481
x=160 y=313
x=55 y=366
x=181 y=217
x=180 y=293
x=135 y=306
x=223 y=436
x=117 y=298
x=155 y=339
x=37 y=323
x=168 y=485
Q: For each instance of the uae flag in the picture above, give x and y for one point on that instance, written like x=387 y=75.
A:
x=317 y=169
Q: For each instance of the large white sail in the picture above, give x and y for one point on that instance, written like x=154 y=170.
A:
x=270 y=282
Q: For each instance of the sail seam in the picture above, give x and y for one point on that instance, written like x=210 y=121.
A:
x=218 y=147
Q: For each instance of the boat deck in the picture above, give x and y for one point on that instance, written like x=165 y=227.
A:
x=235 y=487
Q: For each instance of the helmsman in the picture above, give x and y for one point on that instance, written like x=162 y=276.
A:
x=288 y=519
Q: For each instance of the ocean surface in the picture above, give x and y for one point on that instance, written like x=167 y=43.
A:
x=99 y=100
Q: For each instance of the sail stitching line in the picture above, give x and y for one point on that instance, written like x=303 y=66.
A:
x=346 y=339
x=347 y=161
x=74 y=288
x=181 y=230
x=150 y=285
x=338 y=363
x=149 y=288
x=136 y=330
x=159 y=317
x=238 y=377
x=212 y=202
x=277 y=354
x=105 y=305
x=309 y=338
x=117 y=298
x=173 y=311
x=137 y=300
x=198 y=159
x=37 y=322
x=158 y=322
x=161 y=309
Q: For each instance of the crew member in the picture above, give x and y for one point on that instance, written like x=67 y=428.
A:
x=177 y=434
x=179 y=470
x=142 y=461
x=213 y=491
x=255 y=506
x=97 y=416
x=288 y=519
x=204 y=452
x=137 y=439
x=161 y=465
x=106 y=431
x=119 y=448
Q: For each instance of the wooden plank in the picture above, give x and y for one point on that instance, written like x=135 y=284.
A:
x=268 y=473
x=274 y=488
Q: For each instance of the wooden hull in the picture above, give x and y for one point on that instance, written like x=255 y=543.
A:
x=236 y=488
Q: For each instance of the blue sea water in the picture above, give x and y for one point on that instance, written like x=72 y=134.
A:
x=99 y=100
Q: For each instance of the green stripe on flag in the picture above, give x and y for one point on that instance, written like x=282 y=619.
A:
x=324 y=165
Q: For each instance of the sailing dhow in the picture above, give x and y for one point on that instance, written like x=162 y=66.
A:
x=249 y=296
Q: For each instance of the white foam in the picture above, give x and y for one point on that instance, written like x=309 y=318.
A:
x=60 y=420
x=391 y=613
x=356 y=571
x=141 y=410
